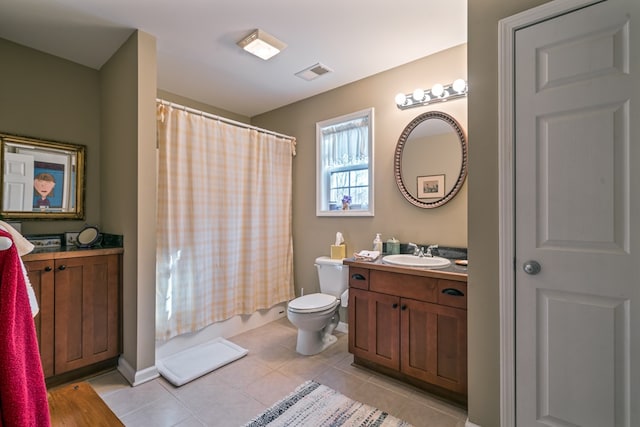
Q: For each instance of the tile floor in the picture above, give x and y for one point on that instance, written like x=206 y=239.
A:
x=235 y=393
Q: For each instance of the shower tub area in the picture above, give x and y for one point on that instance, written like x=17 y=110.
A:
x=204 y=292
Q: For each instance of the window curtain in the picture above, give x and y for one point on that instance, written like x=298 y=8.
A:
x=346 y=143
x=225 y=242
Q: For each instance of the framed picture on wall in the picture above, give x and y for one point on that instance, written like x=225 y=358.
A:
x=431 y=187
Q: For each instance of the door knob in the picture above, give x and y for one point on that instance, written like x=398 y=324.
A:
x=531 y=267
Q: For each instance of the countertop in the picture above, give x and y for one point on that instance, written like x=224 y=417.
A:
x=453 y=272
x=61 y=252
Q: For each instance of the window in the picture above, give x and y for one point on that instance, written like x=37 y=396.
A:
x=344 y=153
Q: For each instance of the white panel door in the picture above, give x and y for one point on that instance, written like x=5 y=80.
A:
x=18 y=182
x=577 y=163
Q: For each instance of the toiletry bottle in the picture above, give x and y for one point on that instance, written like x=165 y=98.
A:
x=393 y=246
x=377 y=243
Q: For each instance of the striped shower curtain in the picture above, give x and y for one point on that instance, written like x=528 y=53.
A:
x=225 y=242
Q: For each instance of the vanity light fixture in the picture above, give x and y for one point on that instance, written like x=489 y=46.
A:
x=262 y=44
x=437 y=93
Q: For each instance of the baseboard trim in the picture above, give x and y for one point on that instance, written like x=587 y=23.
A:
x=135 y=378
x=470 y=424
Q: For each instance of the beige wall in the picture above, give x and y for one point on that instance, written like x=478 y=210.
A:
x=394 y=216
x=483 y=304
x=128 y=159
x=172 y=97
x=47 y=97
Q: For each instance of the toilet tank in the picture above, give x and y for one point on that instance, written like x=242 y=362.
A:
x=333 y=276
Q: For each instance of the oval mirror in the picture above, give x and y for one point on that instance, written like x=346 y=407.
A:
x=430 y=162
x=88 y=237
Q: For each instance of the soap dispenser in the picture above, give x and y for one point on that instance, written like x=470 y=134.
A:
x=377 y=243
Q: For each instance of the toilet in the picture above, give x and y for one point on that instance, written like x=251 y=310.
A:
x=316 y=315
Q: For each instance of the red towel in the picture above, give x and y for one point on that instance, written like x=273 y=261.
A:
x=23 y=393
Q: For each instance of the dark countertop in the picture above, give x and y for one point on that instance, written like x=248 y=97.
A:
x=60 y=252
x=453 y=272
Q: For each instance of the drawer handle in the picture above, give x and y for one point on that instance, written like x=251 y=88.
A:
x=453 y=292
x=358 y=276
x=47 y=268
x=62 y=267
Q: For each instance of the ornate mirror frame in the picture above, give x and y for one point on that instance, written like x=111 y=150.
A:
x=27 y=163
x=400 y=146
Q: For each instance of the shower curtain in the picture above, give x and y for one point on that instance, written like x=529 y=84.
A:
x=225 y=242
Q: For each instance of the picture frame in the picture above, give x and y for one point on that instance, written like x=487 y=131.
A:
x=71 y=238
x=56 y=171
x=431 y=186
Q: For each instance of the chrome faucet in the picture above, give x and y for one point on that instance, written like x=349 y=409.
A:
x=430 y=249
x=417 y=250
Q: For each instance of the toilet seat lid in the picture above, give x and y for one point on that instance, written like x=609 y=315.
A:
x=312 y=302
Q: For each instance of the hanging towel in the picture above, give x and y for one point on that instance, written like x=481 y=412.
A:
x=24 y=247
x=23 y=393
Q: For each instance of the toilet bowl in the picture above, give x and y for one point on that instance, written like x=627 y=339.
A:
x=317 y=315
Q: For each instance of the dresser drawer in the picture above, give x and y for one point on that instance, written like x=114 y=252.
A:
x=359 y=277
x=404 y=285
x=452 y=293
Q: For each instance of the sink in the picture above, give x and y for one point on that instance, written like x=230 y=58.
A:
x=414 y=261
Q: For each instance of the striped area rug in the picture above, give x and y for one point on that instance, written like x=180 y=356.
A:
x=316 y=405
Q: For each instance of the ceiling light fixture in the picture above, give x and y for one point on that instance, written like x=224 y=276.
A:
x=261 y=44
x=437 y=93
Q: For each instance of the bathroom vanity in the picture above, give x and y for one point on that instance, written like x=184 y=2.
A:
x=79 y=296
x=411 y=324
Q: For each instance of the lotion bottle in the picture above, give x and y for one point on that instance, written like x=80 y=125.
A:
x=377 y=243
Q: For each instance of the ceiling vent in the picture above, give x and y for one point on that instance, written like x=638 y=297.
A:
x=314 y=72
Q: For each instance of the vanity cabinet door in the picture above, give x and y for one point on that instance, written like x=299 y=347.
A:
x=374 y=327
x=434 y=344
x=86 y=311
x=41 y=277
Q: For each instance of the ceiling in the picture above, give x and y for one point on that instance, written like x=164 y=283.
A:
x=196 y=40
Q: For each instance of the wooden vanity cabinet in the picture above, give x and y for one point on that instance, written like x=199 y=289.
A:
x=412 y=326
x=375 y=335
x=79 y=320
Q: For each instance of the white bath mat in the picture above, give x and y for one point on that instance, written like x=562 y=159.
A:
x=193 y=362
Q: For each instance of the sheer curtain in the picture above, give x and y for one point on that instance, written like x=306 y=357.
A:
x=346 y=143
x=224 y=221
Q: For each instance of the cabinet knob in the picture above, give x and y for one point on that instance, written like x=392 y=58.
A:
x=48 y=268
x=62 y=267
x=403 y=308
x=395 y=305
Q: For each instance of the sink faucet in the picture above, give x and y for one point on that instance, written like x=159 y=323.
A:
x=431 y=249
x=416 y=249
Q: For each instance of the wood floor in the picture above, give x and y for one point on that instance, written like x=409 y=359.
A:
x=78 y=405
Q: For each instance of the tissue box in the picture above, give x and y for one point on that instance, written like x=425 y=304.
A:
x=338 y=251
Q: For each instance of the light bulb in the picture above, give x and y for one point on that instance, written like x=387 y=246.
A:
x=418 y=95
x=459 y=85
x=401 y=98
x=437 y=90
